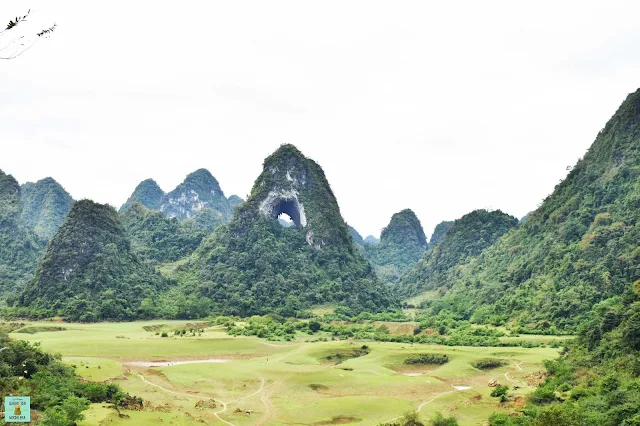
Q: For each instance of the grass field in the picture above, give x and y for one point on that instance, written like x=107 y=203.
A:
x=280 y=383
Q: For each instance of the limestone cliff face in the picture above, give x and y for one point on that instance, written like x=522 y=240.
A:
x=293 y=184
x=200 y=190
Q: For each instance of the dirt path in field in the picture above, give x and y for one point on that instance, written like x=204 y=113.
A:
x=215 y=413
x=264 y=398
x=521 y=382
x=268 y=407
x=429 y=401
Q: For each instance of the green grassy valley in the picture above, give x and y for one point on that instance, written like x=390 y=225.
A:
x=208 y=375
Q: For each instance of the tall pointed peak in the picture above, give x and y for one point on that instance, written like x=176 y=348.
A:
x=199 y=190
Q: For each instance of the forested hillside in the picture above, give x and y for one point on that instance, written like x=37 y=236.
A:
x=596 y=381
x=45 y=205
x=465 y=239
x=439 y=232
x=402 y=244
x=159 y=239
x=89 y=271
x=255 y=265
x=578 y=248
x=147 y=193
x=20 y=248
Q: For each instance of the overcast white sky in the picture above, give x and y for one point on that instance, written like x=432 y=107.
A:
x=441 y=107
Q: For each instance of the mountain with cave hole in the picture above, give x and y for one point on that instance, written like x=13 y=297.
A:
x=261 y=262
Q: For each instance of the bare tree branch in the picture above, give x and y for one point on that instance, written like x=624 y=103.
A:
x=19 y=42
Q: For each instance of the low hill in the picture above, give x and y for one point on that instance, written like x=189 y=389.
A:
x=466 y=238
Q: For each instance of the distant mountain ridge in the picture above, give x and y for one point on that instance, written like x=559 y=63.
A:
x=147 y=193
x=402 y=243
x=20 y=248
x=198 y=191
x=45 y=205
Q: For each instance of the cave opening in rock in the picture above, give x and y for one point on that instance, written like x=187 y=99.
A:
x=287 y=213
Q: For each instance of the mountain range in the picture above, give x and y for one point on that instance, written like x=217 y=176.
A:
x=228 y=255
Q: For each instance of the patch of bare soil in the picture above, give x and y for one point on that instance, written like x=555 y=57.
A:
x=536 y=379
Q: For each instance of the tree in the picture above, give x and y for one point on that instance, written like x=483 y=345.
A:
x=20 y=44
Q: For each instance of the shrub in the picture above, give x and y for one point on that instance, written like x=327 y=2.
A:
x=488 y=363
x=437 y=359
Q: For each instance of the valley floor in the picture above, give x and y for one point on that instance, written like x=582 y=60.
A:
x=217 y=379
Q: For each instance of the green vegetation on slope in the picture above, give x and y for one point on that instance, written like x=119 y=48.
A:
x=45 y=205
x=55 y=391
x=578 y=248
x=255 y=265
x=20 y=248
x=402 y=244
x=147 y=193
x=597 y=380
x=159 y=239
x=465 y=239
x=355 y=235
x=440 y=232
x=89 y=271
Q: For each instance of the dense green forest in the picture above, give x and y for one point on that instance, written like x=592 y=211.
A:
x=55 y=391
x=45 y=205
x=465 y=239
x=355 y=235
x=159 y=239
x=147 y=193
x=20 y=248
x=440 y=232
x=596 y=381
x=255 y=265
x=402 y=244
x=89 y=271
x=580 y=247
